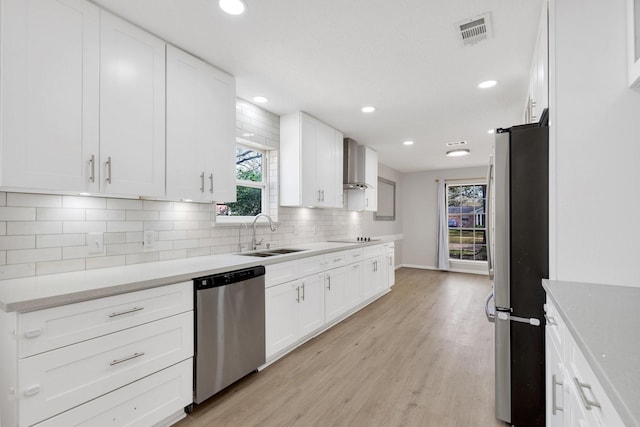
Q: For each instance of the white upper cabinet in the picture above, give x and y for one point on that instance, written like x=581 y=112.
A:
x=310 y=162
x=539 y=79
x=50 y=90
x=200 y=130
x=132 y=109
x=633 y=41
x=367 y=199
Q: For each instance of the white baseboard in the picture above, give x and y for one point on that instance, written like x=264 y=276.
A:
x=452 y=270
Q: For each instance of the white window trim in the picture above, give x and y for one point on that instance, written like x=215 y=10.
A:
x=466 y=183
x=264 y=185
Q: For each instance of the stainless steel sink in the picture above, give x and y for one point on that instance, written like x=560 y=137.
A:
x=272 y=252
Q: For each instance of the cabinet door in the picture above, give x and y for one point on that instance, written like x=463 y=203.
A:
x=554 y=383
x=371 y=178
x=50 y=89
x=310 y=192
x=338 y=155
x=281 y=311
x=390 y=268
x=335 y=293
x=186 y=137
x=132 y=109
x=353 y=288
x=369 y=278
x=311 y=307
x=324 y=157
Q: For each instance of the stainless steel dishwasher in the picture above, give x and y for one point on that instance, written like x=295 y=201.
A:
x=229 y=329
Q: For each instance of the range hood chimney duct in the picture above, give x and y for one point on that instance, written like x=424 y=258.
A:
x=354 y=164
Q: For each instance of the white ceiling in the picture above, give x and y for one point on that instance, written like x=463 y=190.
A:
x=332 y=57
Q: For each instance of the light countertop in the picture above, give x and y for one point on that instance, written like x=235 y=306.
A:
x=35 y=293
x=605 y=323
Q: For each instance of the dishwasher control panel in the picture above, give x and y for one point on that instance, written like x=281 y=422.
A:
x=224 y=279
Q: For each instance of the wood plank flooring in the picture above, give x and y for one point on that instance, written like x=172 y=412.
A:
x=420 y=356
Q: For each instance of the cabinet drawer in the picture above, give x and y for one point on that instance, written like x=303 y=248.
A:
x=335 y=259
x=144 y=402
x=354 y=255
x=311 y=265
x=280 y=273
x=372 y=251
x=52 y=382
x=389 y=247
x=52 y=328
x=555 y=326
x=579 y=370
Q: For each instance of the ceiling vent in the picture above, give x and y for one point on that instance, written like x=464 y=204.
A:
x=474 y=30
x=456 y=143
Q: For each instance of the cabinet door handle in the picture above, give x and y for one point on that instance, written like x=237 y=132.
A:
x=554 y=404
x=108 y=170
x=588 y=404
x=211 y=183
x=120 y=313
x=323 y=195
x=202 y=182
x=328 y=282
x=298 y=297
x=124 y=359
x=302 y=291
x=92 y=163
x=366 y=202
x=551 y=321
x=32 y=390
x=33 y=333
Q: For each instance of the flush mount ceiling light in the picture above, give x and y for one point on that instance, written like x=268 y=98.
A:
x=408 y=143
x=260 y=99
x=487 y=84
x=368 y=109
x=233 y=7
x=458 y=153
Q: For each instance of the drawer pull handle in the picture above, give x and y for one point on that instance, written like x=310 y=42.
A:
x=32 y=333
x=588 y=404
x=551 y=321
x=120 y=313
x=32 y=390
x=124 y=359
x=554 y=404
x=337 y=260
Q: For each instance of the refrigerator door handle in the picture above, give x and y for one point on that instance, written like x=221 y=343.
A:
x=489 y=222
x=503 y=315
x=488 y=310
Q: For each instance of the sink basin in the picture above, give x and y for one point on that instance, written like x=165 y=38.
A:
x=272 y=252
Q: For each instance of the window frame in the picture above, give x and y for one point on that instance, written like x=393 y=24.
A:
x=468 y=183
x=264 y=185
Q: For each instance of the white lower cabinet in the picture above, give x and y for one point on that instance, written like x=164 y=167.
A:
x=335 y=293
x=575 y=397
x=148 y=401
x=293 y=310
x=374 y=277
x=353 y=290
x=390 y=265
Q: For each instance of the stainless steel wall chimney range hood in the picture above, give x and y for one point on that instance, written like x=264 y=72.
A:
x=354 y=165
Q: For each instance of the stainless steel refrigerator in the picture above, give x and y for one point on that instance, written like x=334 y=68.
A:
x=518 y=260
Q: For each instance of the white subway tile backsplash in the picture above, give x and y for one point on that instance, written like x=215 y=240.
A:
x=124 y=249
x=60 y=214
x=34 y=200
x=124 y=204
x=134 y=236
x=3 y=228
x=185 y=244
x=172 y=216
x=197 y=234
x=3 y=198
x=154 y=205
x=17 y=242
x=3 y=257
x=186 y=225
x=105 y=261
x=32 y=227
x=17 y=270
x=120 y=226
x=198 y=216
x=158 y=225
x=105 y=215
x=22 y=256
x=84 y=202
x=187 y=207
x=193 y=252
x=164 y=245
x=142 y=215
x=55 y=240
x=74 y=252
x=114 y=238
x=84 y=227
x=142 y=258
x=9 y=213
x=172 y=235
x=174 y=254
x=53 y=267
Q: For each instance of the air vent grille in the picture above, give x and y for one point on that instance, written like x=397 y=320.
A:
x=456 y=143
x=474 y=30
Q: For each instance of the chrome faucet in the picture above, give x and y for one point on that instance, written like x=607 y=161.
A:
x=254 y=242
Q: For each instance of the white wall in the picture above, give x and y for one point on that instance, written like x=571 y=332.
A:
x=595 y=145
x=372 y=227
x=420 y=212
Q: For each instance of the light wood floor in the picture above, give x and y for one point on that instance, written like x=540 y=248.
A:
x=420 y=356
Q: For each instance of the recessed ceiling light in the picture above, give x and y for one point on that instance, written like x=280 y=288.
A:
x=368 y=109
x=233 y=7
x=487 y=84
x=491 y=131
x=458 y=153
x=260 y=99
x=408 y=143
